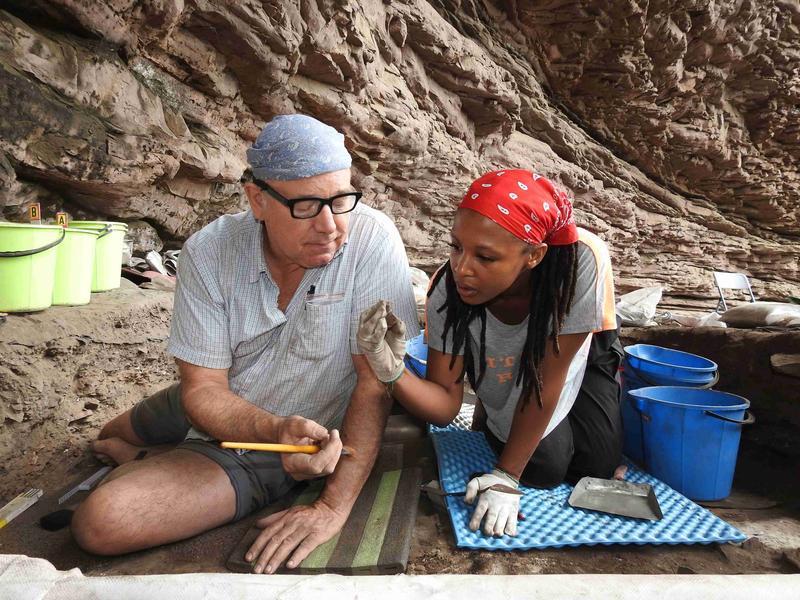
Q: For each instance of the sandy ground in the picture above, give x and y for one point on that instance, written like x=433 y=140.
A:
x=109 y=355
x=764 y=505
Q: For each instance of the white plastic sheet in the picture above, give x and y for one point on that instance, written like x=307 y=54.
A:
x=637 y=308
x=24 y=578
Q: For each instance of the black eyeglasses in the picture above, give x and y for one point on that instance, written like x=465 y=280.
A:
x=309 y=207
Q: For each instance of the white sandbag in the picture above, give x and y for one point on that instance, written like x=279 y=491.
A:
x=637 y=308
x=763 y=314
x=713 y=319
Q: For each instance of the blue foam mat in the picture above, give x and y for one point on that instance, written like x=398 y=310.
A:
x=550 y=522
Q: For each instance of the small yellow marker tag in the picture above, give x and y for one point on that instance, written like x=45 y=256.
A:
x=62 y=219
x=35 y=214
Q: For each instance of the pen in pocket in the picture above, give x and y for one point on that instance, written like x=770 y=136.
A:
x=323 y=299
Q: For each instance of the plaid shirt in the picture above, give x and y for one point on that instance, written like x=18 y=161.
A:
x=294 y=362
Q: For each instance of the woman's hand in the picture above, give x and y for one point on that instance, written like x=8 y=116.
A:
x=382 y=338
x=498 y=503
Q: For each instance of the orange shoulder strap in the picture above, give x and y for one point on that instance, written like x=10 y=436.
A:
x=605 y=279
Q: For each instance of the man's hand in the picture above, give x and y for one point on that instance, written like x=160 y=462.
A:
x=296 y=531
x=302 y=431
x=381 y=337
x=498 y=501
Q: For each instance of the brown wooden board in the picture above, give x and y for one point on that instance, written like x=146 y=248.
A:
x=375 y=540
x=400 y=428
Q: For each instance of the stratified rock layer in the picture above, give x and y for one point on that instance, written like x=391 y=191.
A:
x=674 y=123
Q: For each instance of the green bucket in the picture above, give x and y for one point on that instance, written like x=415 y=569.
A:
x=75 y=267
x=27 y=265
x=107 y=254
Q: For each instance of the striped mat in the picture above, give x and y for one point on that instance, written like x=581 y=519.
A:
x=377 y=536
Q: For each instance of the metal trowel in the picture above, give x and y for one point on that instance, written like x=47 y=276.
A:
x=637 y=500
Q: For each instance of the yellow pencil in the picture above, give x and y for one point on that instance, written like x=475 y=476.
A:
x=311 y=449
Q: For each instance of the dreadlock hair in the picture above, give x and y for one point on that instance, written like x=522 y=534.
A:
x=552 y=289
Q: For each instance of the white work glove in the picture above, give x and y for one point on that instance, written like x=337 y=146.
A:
x=498 y=503
x=382 y=338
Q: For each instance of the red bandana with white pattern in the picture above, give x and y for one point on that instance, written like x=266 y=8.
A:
x=526 y=204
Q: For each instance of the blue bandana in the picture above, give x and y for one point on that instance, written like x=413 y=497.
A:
x=297 y=146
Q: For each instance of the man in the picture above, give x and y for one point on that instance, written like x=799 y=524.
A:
x=264 y=327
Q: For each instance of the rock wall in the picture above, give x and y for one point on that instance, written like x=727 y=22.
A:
x=674 y=122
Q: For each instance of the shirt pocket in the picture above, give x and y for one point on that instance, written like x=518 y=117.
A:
x=321 y=330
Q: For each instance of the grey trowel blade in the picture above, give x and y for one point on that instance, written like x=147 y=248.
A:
x=623 y=498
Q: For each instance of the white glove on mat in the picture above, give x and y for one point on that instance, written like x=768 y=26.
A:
x=498 y=503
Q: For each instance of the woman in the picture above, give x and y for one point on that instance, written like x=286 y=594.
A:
x=524 y=308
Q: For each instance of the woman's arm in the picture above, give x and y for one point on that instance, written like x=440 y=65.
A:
x=529 y=424
x=381 y=337
x=436 y=399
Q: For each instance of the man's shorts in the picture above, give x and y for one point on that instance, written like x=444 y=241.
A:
x=257 y=478
x=159 y=419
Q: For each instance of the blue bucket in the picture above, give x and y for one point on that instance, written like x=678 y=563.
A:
x=662 y=366
x=417 y=355
x=645 y=366
x=690 y=437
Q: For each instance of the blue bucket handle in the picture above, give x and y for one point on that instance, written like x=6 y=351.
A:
x=637 y=403
x=638 y=406
x=17 y=253
x=649 y=382
x=749 y=418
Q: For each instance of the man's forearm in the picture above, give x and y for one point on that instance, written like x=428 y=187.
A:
x=223 y=415
x=362 y=430
x=212 y=408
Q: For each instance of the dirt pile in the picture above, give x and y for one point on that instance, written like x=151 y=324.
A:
x=65 y=371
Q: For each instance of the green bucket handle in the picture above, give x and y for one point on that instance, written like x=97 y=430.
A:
x=105 y=231
x=18 y=253
x=749 y=418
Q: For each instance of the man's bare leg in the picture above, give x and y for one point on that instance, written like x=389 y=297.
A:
x=121 y=427
x=118 y=443
x=166 y=498
x=116 y=451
